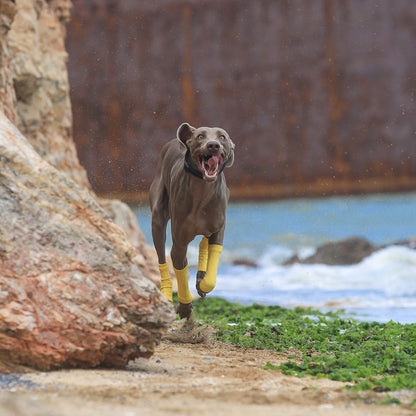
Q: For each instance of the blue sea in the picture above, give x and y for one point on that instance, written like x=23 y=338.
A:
x=382 y=287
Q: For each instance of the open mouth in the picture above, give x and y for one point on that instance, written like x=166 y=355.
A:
x=210 y=166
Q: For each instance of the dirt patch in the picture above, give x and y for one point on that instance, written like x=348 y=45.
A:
x=201 y=377
x=189 y=332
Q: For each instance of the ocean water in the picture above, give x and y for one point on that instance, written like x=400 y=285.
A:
x=382 y=287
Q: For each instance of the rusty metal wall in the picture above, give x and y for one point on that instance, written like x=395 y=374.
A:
x=319 y=96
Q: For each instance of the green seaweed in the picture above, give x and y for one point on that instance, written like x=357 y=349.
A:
x=366 y=355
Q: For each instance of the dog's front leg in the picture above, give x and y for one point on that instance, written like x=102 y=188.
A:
x=202 y=264
x=206 y=281
x=180 y=265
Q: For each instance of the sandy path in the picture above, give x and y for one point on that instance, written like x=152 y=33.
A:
x=192 y=379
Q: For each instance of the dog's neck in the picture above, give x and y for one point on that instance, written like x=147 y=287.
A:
x=188 y=165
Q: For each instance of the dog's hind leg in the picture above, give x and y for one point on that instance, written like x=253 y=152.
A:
x=165 y=281
x=160 y=218
x=180 y=265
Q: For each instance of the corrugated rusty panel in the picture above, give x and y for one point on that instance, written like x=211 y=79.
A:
x=315 y=94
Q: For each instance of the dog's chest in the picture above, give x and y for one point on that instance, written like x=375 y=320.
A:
x=201 y=217
x=210 y=213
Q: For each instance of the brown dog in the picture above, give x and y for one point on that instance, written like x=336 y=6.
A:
x=190 y=190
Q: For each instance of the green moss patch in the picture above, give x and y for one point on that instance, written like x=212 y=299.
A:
x=376 y=356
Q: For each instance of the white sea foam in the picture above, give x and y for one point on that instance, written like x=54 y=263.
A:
x=384 y=280
x=273 y=255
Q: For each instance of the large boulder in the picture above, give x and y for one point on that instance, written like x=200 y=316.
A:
x=70 y=292
x=350 y=250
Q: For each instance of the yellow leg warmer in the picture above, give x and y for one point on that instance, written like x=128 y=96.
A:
x=184 y=295
x=203 y=255
x=210 y=279
x=165 y=281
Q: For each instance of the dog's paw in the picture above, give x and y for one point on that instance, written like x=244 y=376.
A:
x=184 y=310
x=199 y=277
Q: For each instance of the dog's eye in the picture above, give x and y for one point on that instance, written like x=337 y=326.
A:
x=200 y=136
x=222 y=137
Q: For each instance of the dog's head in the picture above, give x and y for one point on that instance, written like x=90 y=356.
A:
x=210 y=149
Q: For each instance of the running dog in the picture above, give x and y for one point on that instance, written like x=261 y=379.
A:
x=190 y=190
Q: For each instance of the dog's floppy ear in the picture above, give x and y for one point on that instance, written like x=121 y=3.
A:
x=230 y=159
x=184 y=132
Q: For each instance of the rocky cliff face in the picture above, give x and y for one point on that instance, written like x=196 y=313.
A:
x=7 y=93
x=37 y=71
x=74 y=290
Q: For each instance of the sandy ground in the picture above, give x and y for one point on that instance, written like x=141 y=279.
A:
x=208 y=378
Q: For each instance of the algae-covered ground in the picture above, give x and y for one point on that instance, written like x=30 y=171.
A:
x=366 y=355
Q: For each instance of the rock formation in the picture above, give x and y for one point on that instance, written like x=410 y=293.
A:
x=350 y=250
x=70 y=293
x=7 y=94
x=74 y=291
x=37 y=60
x=146 y=258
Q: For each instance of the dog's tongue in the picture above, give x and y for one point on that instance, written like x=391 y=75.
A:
x=213 y=163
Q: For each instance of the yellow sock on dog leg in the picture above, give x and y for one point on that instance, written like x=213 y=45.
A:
x=210 y=279
x=203 y=255
x=165 y=281
x=184 y=295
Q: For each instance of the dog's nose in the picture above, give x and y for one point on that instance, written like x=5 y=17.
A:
x=213 y=147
